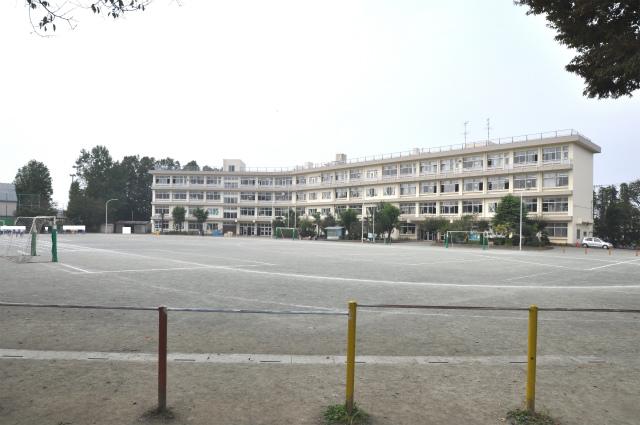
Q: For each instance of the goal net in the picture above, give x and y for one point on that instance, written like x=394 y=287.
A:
x=30 y=239
x=286 y=233
x=464 y=237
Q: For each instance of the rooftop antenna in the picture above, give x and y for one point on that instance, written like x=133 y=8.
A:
x=466 y=123
x=488 y=129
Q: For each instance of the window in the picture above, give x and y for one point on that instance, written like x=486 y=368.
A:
x=193 y=196
x=473 y=185
x=498 y=183
x=389 y=191
x=313 y=196
x=472 y=163
x=341 y=176
x=230 y=182
x=429 y=187
x=355 y=192
x=299 y=211
x=340 y=209
x=408 y=208
x=372 y=174
x=449 y=186
x=407 y=189
x=555 y=204
x=280 y=212
x=301 y=180
x=282 y=196
x=162 y=210
x=326 y=177
x=196 y=180
x=213 y=211
x=180 y=195
x=248 y=181
x=248 y=211
x=389 y=171
x=555 y=180
x=525 y=157
x=213 y=196
x=312 y=211
x=301 y=196
x=265 y=196
x=247 y=196
x=408 y=169
x=355 y=174
x=326 y=195
x=491 y=206
x=163 y=180
x=555 y=154
x=264 y=229
x=313 y=180
x=449 y=207
x=265 y=212
x=214 y=180
x=372 y=192
x=497 y=160
x=556 y=230
x=230 y=198
x=163 y=195
x=325 y=211
x=231 y=168
x=428 y=167
x=447 y=165
x=194 y=226
x=341 y=193
x=180 y=180
x=530 y=204
x=407 y=228
x=230 y=213
x=472 y=207
x=525 y=181
x=283 y=181
x=428 y=208
x=265 y=181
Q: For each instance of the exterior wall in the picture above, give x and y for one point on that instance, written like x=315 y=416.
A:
x=365 y=183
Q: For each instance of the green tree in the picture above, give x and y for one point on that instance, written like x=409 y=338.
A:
x=508 y=214
x=201 y=216
x=94 y=168
x=349 y=219
x=387 y=219
x=167 y=164
x=33 y=187
x=191 y=166
x=327 y=221
x=606 y=36
x=178 y=214
x=306 y=228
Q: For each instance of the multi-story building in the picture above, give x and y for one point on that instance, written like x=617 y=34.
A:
x=552 y=172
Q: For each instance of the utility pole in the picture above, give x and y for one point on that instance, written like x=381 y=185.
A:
x=520 y=239
x=488 y=129
x=466 y=123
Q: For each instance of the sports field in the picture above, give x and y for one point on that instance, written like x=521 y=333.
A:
x=64 y=366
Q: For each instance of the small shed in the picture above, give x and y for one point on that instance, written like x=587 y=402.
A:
x=334 y=233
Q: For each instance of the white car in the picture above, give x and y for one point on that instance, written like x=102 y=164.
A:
x=596 y=243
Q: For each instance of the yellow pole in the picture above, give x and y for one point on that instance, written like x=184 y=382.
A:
x=351 y=355
x=531 y=358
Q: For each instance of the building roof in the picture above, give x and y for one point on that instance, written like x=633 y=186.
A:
x=8 y=192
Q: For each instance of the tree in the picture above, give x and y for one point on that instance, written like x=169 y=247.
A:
x=34 y=191
x=434 y=225
x=349 y=219
x=44 y=14
x=306 y=228
x=328 y=221
x=606 y=35
x=191 y=166
x=178 y=214
x=201 y=216
x=387 y=219
x=508 y=214
x=167 y=164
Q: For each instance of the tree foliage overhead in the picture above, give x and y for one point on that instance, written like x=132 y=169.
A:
x=606 y=36
x=34 y=190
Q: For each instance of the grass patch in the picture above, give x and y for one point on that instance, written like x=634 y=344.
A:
x=524 y=417
x=336 y=414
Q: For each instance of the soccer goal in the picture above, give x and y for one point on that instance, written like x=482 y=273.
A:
x=466 y=237
x=30 y=239
x=286 y=233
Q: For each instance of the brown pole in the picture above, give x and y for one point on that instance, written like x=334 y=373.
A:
x=162 y=358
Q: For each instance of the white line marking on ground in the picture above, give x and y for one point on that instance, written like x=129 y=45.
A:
x=614 y=264
x=291 y=359
x=75 y=268
x=529 y=275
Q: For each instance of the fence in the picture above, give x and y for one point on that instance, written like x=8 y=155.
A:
x=351 y=314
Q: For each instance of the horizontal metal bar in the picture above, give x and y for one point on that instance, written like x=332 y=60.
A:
x=249 y=311
x=491 y=308
x=80 y=306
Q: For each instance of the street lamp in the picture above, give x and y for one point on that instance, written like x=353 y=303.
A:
x=106 y=214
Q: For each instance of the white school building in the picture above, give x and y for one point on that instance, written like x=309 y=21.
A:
x=553 y=172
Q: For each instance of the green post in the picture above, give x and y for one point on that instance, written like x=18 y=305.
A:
x=446 y=240
x=54 y=244
x=34 y=238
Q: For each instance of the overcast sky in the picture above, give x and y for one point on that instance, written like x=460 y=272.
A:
x=278 y=83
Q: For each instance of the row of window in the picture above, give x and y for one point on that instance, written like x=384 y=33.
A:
x=553 y=230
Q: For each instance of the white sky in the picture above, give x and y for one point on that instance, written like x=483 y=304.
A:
x=278 y=83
